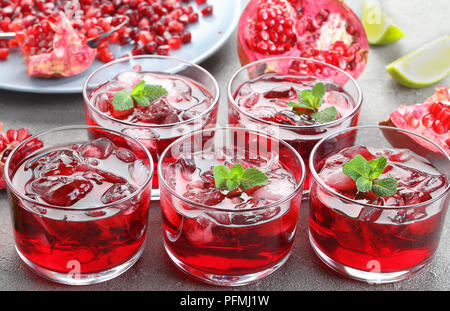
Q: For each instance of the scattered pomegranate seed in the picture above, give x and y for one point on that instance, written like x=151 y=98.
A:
x=4 y=52
x=207 y=10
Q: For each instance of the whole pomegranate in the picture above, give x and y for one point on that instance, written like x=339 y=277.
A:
x=8 y=141
x=430 y=119
x=52 y=48
x=326 y=30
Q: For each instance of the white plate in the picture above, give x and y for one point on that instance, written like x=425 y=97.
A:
x=208 y=35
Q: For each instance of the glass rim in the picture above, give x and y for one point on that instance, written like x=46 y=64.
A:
x=11 y=187
x=387 y=207
x=151 y=126
x=296 y=127
x=297 y=189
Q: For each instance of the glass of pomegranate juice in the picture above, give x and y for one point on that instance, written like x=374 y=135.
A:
x=230 y=200
x=79 y=201
x=377 y=204
x=296 y=99
x=155 y=99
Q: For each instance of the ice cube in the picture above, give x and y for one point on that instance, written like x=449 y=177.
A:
x=146 y=136
x=198 y=192
x=264 y=112
x=61 y=191
x=279 y=186
x=281 y=92
x=129 y=78
x=139 y=172
x=118 y=192
x=199 y=230
x=64 y=162
x=125 y=155
x=335 y=178
x=186 y=167
x=100 y=148
x=250 y=101
x=162 y=112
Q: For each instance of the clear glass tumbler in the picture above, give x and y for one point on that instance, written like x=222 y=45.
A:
x=276 y=76
x=235 y=244
x=79 y=200
x=156 y=137
x=391 y=238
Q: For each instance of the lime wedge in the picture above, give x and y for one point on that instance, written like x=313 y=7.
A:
x=380 y=28
x=424 y=66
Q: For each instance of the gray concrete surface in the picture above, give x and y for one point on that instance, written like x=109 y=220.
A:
x=422 y=21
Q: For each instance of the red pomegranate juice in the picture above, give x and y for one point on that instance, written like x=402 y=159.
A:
x=267 y=98
x=388 y=237
x=152 y=125
x=77 y=177
x=224 y=239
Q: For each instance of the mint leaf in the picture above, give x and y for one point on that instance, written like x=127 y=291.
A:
x=312 y=100
x=253 y=178
x=318 y=92
x=144 y=94
x=356 y=167
x=363 y=184
x=122 y=100
x=365 y=174
x=385 y=187
x=300 y=105
x=233 y=183
x=237 y=170
x=327 y=115
x=221 y=176
x=376 y=167
x=226 y=179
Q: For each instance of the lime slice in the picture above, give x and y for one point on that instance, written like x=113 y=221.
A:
x=424 y=66
x=380 y=28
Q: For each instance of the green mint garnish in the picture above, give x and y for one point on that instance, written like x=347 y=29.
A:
x=312 y=100
x=231 y=179
x=144 y=94
x=365 y=174
x=122 y=100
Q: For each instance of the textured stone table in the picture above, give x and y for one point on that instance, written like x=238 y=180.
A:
x=422 y=21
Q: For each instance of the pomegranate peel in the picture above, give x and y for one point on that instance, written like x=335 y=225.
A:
x=430 y=119
x=326 y=30
x=66 y=55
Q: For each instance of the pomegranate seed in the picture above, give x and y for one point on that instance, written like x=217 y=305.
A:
x=186 y=37
x=193 y=17
x=146 y=37
x=163 y=50
x=4 y=52
x=428 y=120
x=151 y=47
x=439 y=127
x=174 y=43
x=207 y=10
x=436 y=108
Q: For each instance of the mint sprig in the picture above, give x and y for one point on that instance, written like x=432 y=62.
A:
x=365 y=174
x=144 y=94
x=311 y=101
x=236 y=177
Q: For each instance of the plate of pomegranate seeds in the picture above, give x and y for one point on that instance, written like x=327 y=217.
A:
x=34 y=62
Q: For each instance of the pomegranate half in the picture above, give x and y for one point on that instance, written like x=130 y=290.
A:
x=326 y=30
x=52 y=48
x=430 y=119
